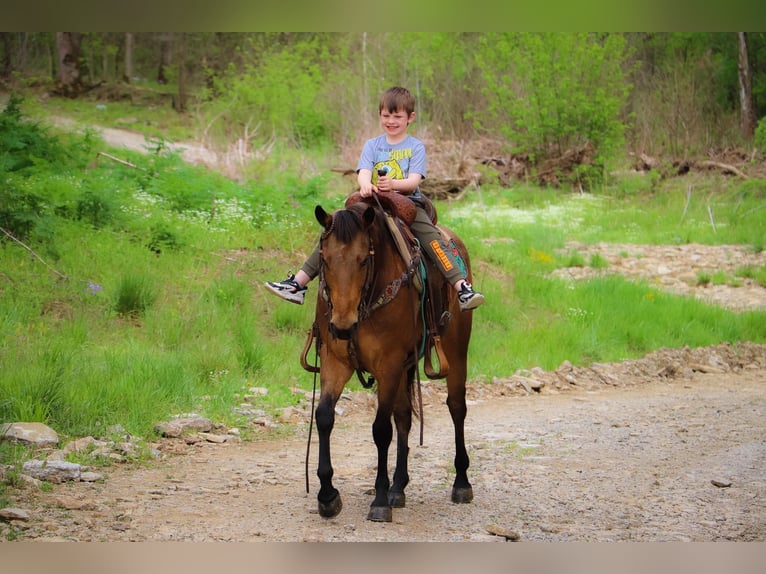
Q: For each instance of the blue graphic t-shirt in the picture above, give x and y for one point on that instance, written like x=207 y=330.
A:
x=402 y=159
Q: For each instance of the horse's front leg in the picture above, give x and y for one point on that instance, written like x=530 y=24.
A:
x=329 y=500
x=382 y=432
x=334 y=377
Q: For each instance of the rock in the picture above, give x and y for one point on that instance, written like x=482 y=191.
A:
x=11 y=513
x=53 y=471
x=36 y=434
x=291 y=415
x=215 y=438
x=72 y=503
x=504 y=532
x=90 y=477
x=178 y=426
x=83 y=444
x=57 y=455
x=126 y=448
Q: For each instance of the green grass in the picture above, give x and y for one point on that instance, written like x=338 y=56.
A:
x=145 y=296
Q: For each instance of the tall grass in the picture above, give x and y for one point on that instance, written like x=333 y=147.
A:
x=149 y=302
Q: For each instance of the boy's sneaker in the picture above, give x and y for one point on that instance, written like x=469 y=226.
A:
x=468 y=298
x=289 y=289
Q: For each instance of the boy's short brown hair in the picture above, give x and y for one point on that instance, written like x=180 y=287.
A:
x=395 y=99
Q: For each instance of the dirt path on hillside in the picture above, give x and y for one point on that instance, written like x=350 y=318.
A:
x=680 y=459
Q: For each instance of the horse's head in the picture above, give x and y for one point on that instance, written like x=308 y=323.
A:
x=347 y=264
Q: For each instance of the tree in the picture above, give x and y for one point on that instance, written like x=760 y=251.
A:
x=128 y=73
x=180 y=104
x=165 y=39
x=745 y=88
x=70 y=71
x=552 y=94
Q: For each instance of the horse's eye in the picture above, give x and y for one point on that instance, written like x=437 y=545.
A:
x=364 y=262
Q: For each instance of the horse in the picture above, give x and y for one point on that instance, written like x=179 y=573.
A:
x=368 y=320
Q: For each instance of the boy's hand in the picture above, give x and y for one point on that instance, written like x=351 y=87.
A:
x=385 y=183
x=366 y=189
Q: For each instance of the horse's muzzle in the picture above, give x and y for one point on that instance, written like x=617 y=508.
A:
x=342 y=334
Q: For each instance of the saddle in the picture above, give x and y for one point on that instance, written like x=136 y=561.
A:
x=397 y=205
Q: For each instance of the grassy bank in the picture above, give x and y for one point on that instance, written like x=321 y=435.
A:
x=132 y=294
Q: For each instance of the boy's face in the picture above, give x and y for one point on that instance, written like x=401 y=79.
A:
x=394 y=124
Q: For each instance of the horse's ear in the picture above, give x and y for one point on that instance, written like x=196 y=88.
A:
x=324 y=218
x=369 y=216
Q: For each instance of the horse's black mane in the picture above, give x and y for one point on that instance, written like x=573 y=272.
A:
x=347 y=223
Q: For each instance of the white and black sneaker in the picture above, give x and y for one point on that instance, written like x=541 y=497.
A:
x=468 y=298
x=289 y=289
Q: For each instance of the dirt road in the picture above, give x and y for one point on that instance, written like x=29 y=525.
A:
x=670 y=459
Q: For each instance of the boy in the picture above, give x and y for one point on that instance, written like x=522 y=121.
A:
x=403 y=160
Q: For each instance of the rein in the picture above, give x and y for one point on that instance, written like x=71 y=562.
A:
x=313 y=397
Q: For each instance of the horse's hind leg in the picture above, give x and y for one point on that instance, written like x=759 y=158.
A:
x=461 y=488
x=403 y=420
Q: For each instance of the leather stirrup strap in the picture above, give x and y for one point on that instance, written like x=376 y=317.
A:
x=309 y=339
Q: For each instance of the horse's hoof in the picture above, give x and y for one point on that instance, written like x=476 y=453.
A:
x=380 y=514
x=396 y=499
x=330 y=509
x=462 y=495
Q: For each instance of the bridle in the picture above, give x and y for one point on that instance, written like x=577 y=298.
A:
x=324 y=288
x=369 y=301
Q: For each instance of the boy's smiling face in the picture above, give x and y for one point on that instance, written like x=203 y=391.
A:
x=394 y=124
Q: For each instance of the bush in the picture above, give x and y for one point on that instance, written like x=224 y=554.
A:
x=24 y=144
x=552 y=93
x=759 y=138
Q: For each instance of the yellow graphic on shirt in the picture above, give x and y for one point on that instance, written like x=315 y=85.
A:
x=394 y=171
x=398 y=154
x=439 y=252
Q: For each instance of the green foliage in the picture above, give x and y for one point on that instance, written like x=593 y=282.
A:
x=25 y=144
x=598 y=261
x=135 y=294
x=280 y=92
x=759 y=138
x=758 y=274
x=552 y=93
x=163 y=312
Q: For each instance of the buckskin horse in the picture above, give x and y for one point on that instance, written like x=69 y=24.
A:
x=369 y=320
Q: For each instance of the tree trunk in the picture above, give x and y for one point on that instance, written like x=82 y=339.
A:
x=6 y=66
x=166 y=39
x=23 y=52
x=181 y=102
x=69 y=78
x=128 y=74
x=745 y=88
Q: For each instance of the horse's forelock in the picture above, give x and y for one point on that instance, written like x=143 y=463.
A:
x=348 y=222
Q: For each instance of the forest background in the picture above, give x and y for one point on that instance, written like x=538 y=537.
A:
x=131 y=281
